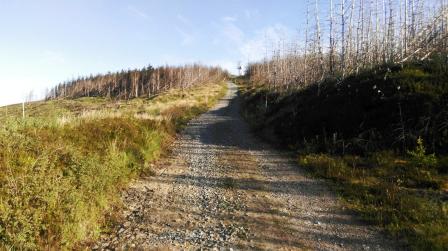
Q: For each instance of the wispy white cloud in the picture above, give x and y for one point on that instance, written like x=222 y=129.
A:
x=269 y=37
x=186 y=30
x=252 y=46
x=187 y=37
x=250 y=14
x=184 y=20
x=135 y=11
x=229 y=19
x=233 y=33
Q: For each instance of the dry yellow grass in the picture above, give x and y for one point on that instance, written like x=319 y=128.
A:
x=62 y=166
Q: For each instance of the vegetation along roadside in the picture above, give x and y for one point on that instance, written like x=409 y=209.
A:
x=380 y=137
x=63 y=165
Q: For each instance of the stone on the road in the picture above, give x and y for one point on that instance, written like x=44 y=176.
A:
x=221 y=188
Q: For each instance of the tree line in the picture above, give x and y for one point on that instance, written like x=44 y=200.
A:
x=356 y=35
x=145 y=82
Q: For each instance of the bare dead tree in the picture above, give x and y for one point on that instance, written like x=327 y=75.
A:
x=371 y=32
x=136 y=83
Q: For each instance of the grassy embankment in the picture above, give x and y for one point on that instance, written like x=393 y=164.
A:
x=380 y=137
x=62 y=167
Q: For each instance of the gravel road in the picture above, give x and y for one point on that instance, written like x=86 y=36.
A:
x=222 y=188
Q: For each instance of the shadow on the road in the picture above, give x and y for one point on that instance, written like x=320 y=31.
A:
x=286 y=187
x=224 y=127
x=266 y=219
x=220 y=142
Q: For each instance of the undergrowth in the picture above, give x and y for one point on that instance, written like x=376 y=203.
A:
x=410 y=202
x=386 y=108
x=63 y=165
x=380 y=137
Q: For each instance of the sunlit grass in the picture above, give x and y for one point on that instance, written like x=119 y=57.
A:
x=390 y=191
x=63 y=165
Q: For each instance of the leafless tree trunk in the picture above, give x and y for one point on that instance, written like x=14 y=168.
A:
x=371 y=32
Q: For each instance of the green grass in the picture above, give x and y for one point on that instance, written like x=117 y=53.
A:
x=408 y=201
x=391 y=168
x=62 y=167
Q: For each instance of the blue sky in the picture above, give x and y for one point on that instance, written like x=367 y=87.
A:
x=48 y=41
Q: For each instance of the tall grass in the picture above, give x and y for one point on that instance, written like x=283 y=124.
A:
x=63 y=166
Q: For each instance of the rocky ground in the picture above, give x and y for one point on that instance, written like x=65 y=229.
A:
x=221 y=188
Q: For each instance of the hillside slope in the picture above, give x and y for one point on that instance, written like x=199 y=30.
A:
x=62 y=166
x=385 y=108
x=220 y=188
x=145 y=82
x=373 y=135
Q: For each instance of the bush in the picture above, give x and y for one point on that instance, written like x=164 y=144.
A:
x=419 y=157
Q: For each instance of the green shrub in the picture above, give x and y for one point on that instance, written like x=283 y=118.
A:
x=419 y=157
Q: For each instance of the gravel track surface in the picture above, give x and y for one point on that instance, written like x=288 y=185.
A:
x=222 y=188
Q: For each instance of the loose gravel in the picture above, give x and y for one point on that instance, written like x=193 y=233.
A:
x=223 y=189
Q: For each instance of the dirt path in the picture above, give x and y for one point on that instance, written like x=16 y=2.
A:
x=222 y=188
